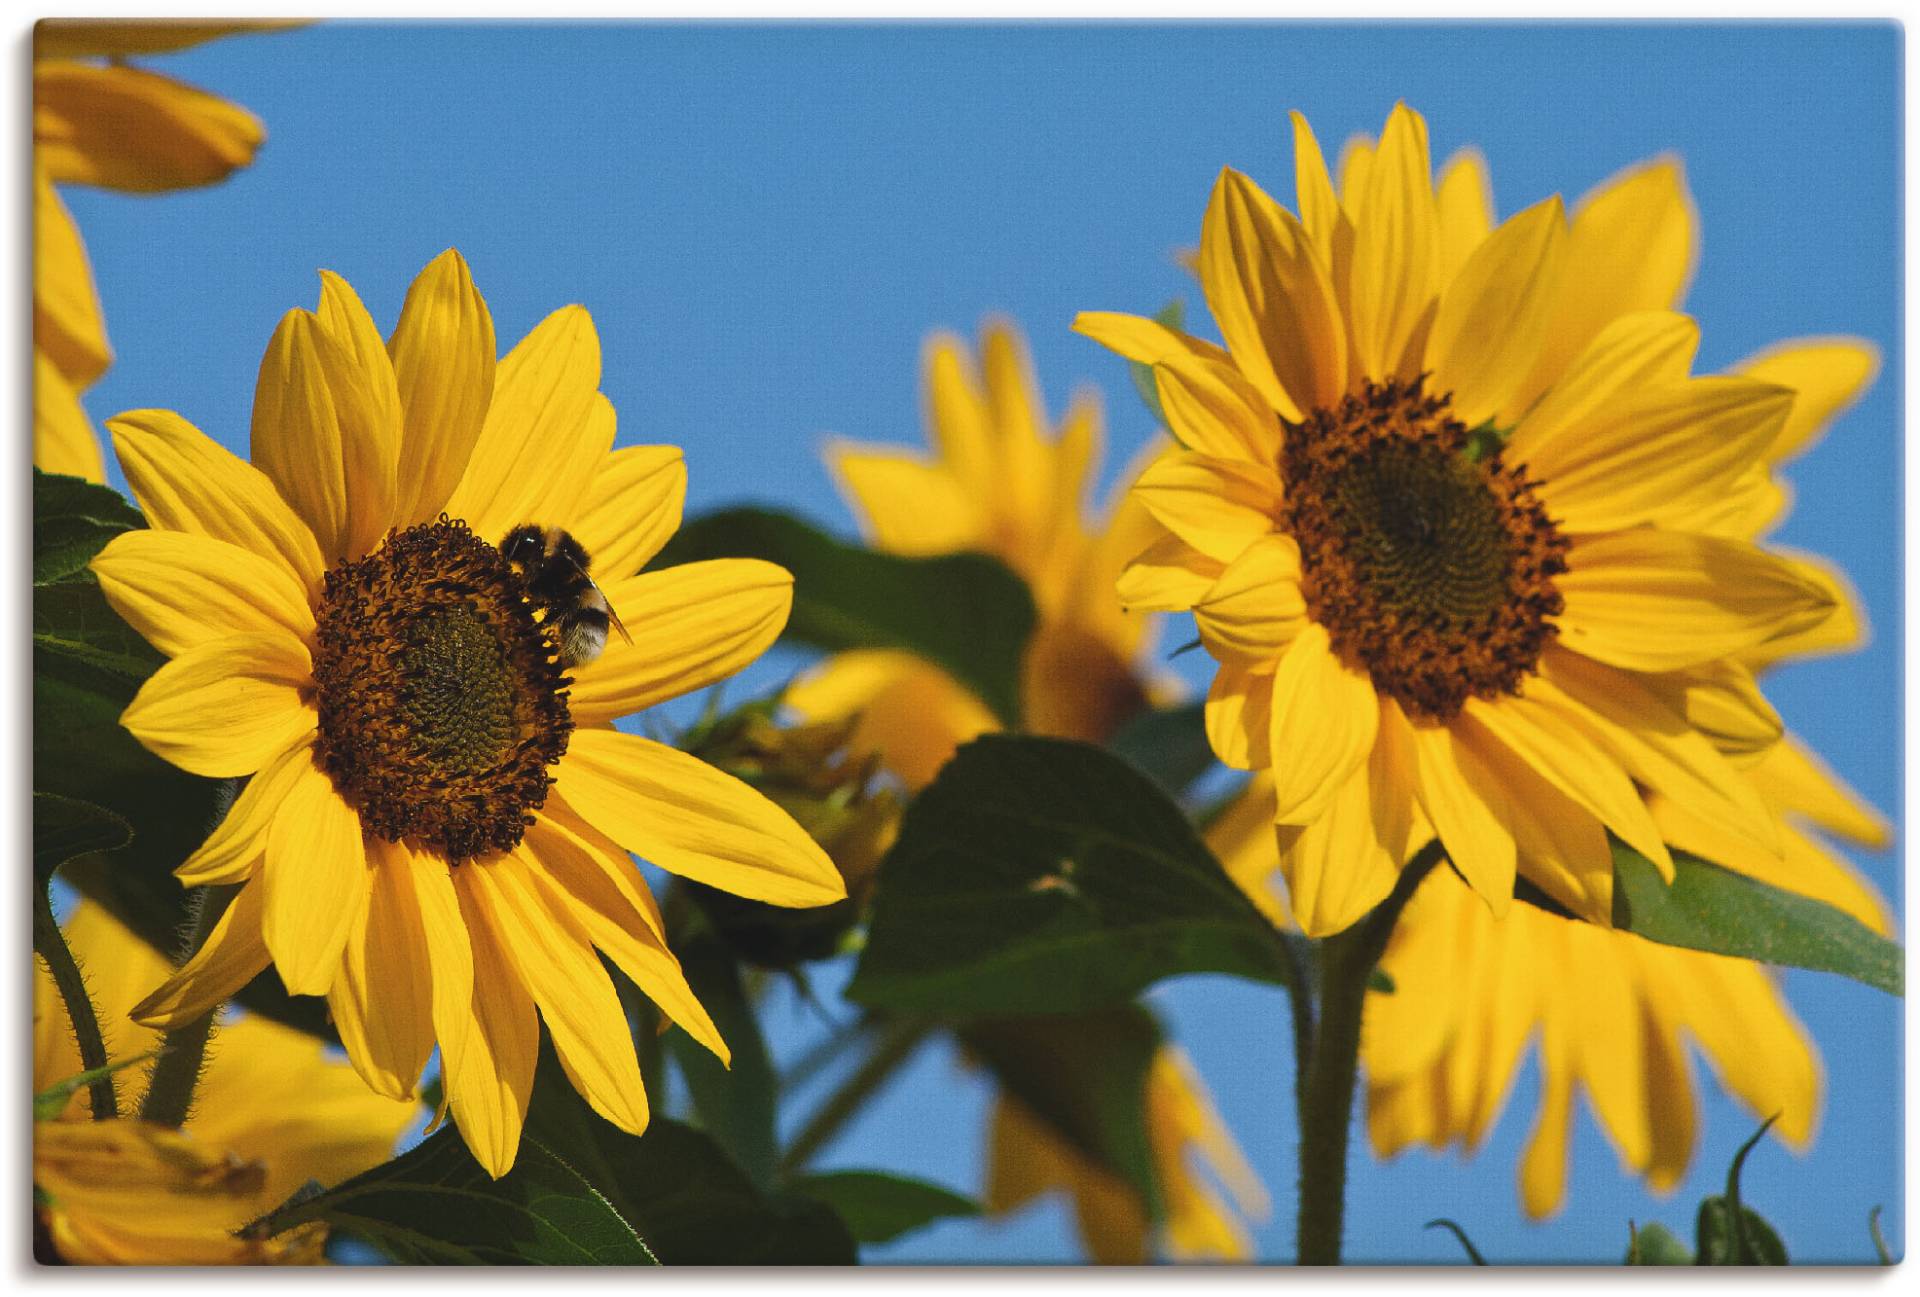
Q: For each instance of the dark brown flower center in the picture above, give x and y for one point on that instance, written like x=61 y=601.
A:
x=1431 y=569
x=442 y=700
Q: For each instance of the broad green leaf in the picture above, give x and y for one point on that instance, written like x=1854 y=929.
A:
x=1039 y=875
x=879 y=1207
x=735 y=1104
x=967 y=613
x=64 y=827
x=1083 y=1075
x=1173 y=315
x=72 y=520
x=1655 y=1244
x=1168 y=745
x=1714 y=909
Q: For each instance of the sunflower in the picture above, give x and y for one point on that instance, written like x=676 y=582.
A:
x=271 y=1113
x=1442 y=1052
x=1002 y=484
x=1453 y=590
x=118 y=127
x=435 y=832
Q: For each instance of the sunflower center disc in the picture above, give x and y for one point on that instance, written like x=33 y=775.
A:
x=1431 y=571
x=441 y=699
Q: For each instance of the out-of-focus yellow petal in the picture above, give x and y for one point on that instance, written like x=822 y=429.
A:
x=181 y=591
x=1827 y=375
x=691 y=819
x=1396 y=249
x=63 y=439
x=442 y=351
x=911 y=712
x=691 y=625
x=382 y=1001
x=1324 y=719
x=317 y=883
x=66 y=310
x=226 y=708
x=1492 y=317
x=127 y=128
x=72 y=38
x=633 y=506
x=1793 y=777
x=906 y=505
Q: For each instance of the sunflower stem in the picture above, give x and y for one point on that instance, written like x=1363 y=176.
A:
x=897 y=1044
x=51 y=946
x=183 y=1051
x=1326 y=1107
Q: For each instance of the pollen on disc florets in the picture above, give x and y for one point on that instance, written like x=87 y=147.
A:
x=1431 y=570
x=442 y=699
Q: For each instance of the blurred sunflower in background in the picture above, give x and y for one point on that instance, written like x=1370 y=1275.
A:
x=1452 y=594
x=1610 y=1011
x=435 y=830
x=1002 y=482
x=271 y=1113
x=97 y=120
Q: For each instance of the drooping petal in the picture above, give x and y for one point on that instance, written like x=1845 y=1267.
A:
x=130 y=129
x=1239 y=716
x=1396 y=248
x=1335 y=866
x=182 y=591
x=382 y=1000
x=1168 y=576
x=1653 y=600
x=490 y=1074
x=186 y=481
x=1324 y=719
x=546 y=433
x=691 y=819
x=67 y=324
x=227 y=707
x=63 y=439
x=318 y=434
x=1638 y=350
x=1827 y=375
x=317 y=883
x=1492 y=318
x=1270 y=295
x=1469 y=811
x=1255 y=609
x=232 y=955
x=1543 y=1164
x=1793 y=777
x=237 y=847
x=691 y=625
x=632 y=507
x=442 y=351
x=1218 y=506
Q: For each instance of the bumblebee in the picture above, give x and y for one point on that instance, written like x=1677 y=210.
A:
x=554 y=566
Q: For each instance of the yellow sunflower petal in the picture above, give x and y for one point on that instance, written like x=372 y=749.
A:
x=1211 y=409
x=98 y=37
x=1793 y=777
x=1633 y=245
x=552 y=955
x=237 y=847
x=186 y=481
x=1335 y=867
x=1665 y=456
x=1239 y=717
x=318 y=434
x=691 y=625
x=910 y=711
x=1463 y=202
x=1352 y=169
x=1147 y=341
x=1653 y=600
x=1543 y=1164
x=227 y=707
x=233 y=954
x=1218 y=506
x=1639 y=350
x=66 y=310
x=127 y=128
x=546 y=433
x=1242 y=837
x=597 y=889
x=1168 y=576
x=382 y=1001
x=632 y=507
x=1469 y=810
x=1759 y=1049
x=1270 y=296
x=1609 y=1047
x=63 y=439
x=490 y=1077
x=1560 y=845
x=1492 y=317
x=317 y=883
x=556 y=823
x=1325 y=716
x=959 y=422
x=1320 y=212
x=906 y=505
x=1255 y=609
x=1396 y=248
x=344 y=316
x=442 y=351
x=1827 y=375
x=449 y=956
x=1844 y=627
x=690 y=819
x=181 y=591
x=1722 y=700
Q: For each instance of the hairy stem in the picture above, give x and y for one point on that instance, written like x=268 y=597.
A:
x=183 y=1051
x=1326 y=1107
x=51 y=946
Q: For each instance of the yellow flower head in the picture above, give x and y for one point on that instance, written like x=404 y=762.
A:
x=435 y=830
x=270 y=1113
x=119 y=127
x=1452 y=593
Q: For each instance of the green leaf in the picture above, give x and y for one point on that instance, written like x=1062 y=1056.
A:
x=581 y=1192
x=1655 y=1244
x=734 y=1104
x=879 y=1207
x=1039 y=875
x=1085 y=1076
x=1714 y=909
x=1173 y=315
x=967 y=613
x=1453 y=1228
x=65 y=827
x=73 y=519
x=1727 y=1232
x=1167 y=744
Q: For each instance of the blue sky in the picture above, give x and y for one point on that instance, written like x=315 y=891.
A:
x=765 y=221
